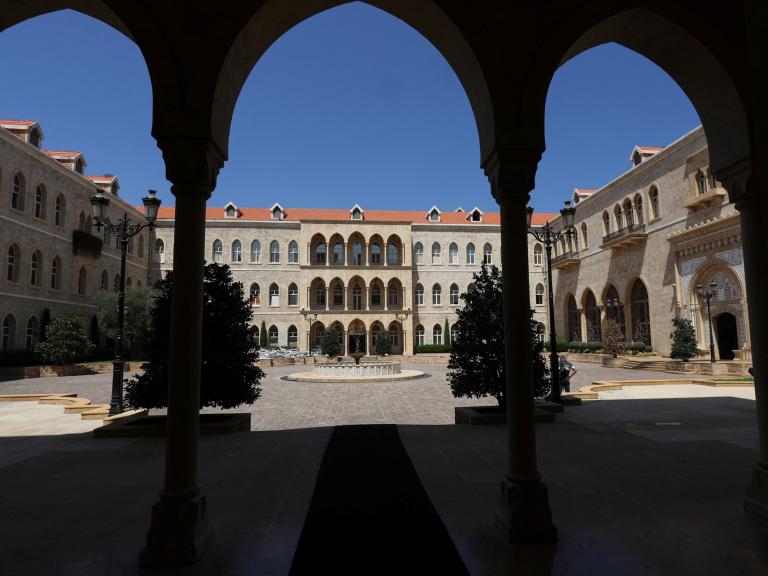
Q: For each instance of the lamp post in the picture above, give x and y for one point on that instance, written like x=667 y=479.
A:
x=311 y=317
x=548 y=237
x=123 y=230
x=401 y=318
x=708 y=294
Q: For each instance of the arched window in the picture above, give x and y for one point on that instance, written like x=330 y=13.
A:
x=454 y=333
x=393 y=254
x=116 y=283
x=539 y=294
x=375 y=293
x=436 y=294
x=293 y=295
x=81 y=280
x=320 y=253
x=320 y=293
x=393 y=294
x=418 y=253
x=56 y=273
x=138 y=283
x=9 y=332
x=639 y=218
x=159 y=251
x=641 y=318
x=435 y=253
x=58 y=210
x=606 y=224
x=237 y=251
x=128 y=282
x=256 y=332
x=130 y=246
x=537 y=255
x=141 y=246
x=17 y=194
x=218 y=251
x=293 y=336
x=619 y=215
x=592 y=313
x=454 y=294
x=13 y=263
x=573 y=320
x=487 y=254
x=375 y=254
x=274 y=295
x=711 y=180
x=338 y=294
x=272 y=335
x=573 y=241
x=628 y=214
x=104 y=284
x=40 y=198
x=33 y=332
x=614 y=309
x=584 y=238
x=255 y=252
x=437 y=334
x=419 y=335
x=701 y=183
x=453 y=253
x=470 y=253
x=654 y=195
x=36 y=263
x=357 y=297
x=419 y=295
x=357 y=254
x=274 y=251
x=338 y=253
x=254 y=294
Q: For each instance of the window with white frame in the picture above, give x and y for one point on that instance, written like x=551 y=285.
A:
x=293 y=295
x=435 y=253
x=55 y=273
x=58 y=211
x=40 y=202
x=453 y=253
x=255 y=252
x=454 y=294
x=159 y=251
x=420 y=335
x=419 y=295
x=293 y=252
x=218 y=251
x=539 y=295
x=272 y=335
x=274 y=251
x=255 y=294
x=436 y=294
x=237 y=251
x=487 y=254
x=293 y=336
x=17 y=193
x=34 y=268
x=470 y=253
x=418 y=253
x=537 y=255
x=274 y=295
x=437 y=334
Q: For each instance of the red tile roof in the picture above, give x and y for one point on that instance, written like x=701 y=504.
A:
x=18 y=122
x=101 y=178
x=585 y=191
x=651 y=148
x=342 y=215
x=62 y=153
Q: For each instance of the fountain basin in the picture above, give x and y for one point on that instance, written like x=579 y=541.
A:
x=347 y=371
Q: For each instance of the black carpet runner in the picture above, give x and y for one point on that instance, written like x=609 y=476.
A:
x=370 y=514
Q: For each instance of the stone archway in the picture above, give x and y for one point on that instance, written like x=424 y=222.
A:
x=726 y=335
x=357 y=337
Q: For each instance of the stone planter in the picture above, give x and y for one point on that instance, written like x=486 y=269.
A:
x=224 y=423
x=484 y=415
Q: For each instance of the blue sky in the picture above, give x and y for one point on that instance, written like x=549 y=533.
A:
x=350 y=106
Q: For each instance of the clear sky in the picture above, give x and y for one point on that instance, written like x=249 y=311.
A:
x=350 y=106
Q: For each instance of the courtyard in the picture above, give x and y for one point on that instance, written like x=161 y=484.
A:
x=79 y=505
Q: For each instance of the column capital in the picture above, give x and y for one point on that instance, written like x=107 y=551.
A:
x=511 y=171
x=192 y=165
x=736 y=179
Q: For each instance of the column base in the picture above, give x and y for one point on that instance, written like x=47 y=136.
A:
x=523 y=515
x=756 y=502
x=180 y=532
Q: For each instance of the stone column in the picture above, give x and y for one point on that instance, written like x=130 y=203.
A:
x=327 y=297
x=522 y=514
x=754 y=218
x=180 y=530
x=583 y=325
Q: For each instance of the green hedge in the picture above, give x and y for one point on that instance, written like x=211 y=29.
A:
x=637 y=347
x=585 y=347
x=562 y=345
x=432 y=348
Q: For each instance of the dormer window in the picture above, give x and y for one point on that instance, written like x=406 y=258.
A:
x=476 y=215
x=637 y=158
x=434 y=214
x=34 y=137
x=356 y=213
x=230 y=212
x=277 y=212
x=79 y=166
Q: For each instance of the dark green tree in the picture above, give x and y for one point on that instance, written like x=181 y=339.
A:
x=447 y=332
x=383 y=343
x=476 y=363
x=613 y=337
x=263 y=340
x=229 y=375
x=65 y=341
x=683 y=340
x=330 y=345
x=139 y=302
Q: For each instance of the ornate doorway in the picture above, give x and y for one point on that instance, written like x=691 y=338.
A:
x=727 y=335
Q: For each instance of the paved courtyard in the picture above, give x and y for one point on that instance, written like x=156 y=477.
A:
x=647 y=480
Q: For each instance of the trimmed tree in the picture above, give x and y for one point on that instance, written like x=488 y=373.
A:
x=383 y=343
x=229 y=375
x=613 y=337
x=263 y=340
x=683 y=340
x=329 y=345
x=139 y=302
x=65 y=341
x=447 y=332
x=476 y=364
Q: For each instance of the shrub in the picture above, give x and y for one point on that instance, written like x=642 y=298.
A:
x=562 y=345
x=613 y=337
x=683 y=340
x=585 y=347
x=383 y=343
x=432 y=348
x=65 y=342
x=229 y=376
x=330 y=345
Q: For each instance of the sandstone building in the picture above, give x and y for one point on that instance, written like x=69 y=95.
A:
x=644 y=242
x=53 y=258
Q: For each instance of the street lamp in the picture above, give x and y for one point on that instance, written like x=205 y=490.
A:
x=311 y=317
x=123 y=230
x=708 y=294
x=548 y=237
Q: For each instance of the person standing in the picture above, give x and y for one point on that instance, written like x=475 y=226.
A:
x=566 y=372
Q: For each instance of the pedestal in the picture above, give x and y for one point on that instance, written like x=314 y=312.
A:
x=180 y=532
x=523 y=515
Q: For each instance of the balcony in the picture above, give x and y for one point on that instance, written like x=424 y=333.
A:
x=566 y=260
x=85 y=244
x=628 y=236
x=711 y=198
